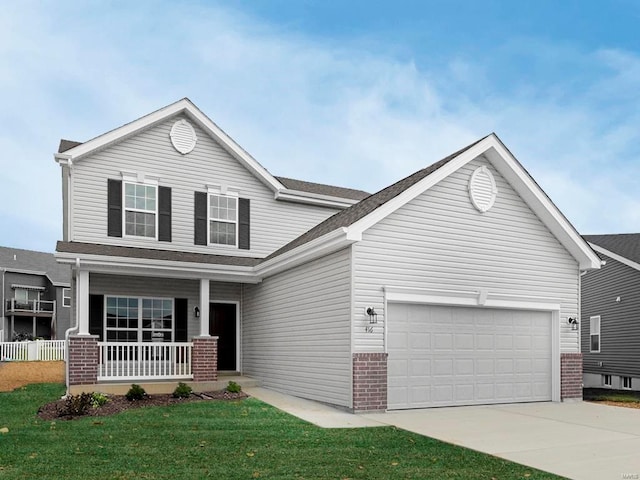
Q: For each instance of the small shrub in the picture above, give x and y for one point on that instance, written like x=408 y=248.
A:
x=182 y=391
x=136 y=392
x=75 y=405
x=22 y=337
x=233 y=387
x=98 y=399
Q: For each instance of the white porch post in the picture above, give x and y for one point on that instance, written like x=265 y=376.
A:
x=204 y=307
x=82 y=301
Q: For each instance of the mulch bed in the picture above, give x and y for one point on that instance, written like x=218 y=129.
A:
x=119 y=403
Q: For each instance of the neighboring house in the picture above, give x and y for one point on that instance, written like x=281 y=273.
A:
x=453 y=286
x=611 y=314
x=36 y=295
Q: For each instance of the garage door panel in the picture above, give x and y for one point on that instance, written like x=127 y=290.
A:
x=466 y=356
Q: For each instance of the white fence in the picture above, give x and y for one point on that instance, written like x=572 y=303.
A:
x=43 y=350
x=144 y=361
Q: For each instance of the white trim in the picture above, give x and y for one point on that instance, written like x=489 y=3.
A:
x=615 y=256
x=298 y=196
x=319 y=247
x=471 y=298
x=82 y=302
x=204 y=307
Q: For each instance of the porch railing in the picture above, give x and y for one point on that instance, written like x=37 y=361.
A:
x=36 y=350
x=144 y=361
x=31 y=306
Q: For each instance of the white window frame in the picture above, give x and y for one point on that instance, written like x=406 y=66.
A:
x=216 y=192
x=625 y=383
x=593 y=321
x=140 y=330
x=66 y=297
x=606 y=380
x=128 y=179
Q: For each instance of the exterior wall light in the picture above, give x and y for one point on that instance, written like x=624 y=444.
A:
x=196 y=311
x=373 y=316
x=573 y=322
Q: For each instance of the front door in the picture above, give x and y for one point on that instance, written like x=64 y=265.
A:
x=222 y=324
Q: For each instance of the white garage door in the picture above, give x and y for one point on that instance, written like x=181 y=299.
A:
x=444 y=356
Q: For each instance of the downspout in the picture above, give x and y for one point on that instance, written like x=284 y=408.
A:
x=67 y=333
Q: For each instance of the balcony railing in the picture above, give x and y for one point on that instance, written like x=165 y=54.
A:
x=31 y=306
x=144 y=361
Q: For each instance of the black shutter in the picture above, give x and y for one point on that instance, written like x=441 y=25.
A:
x=96 y=315
x=200 y=218
x=164 y=214
x=244 y=230
x=114 y=202
x=182 y=314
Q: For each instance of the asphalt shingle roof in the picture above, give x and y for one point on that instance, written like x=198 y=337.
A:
x=626 y=245
x=19 y=259
x=322 y=189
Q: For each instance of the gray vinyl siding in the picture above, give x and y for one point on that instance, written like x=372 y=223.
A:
x=273 y=223
x=167 y=288
x=296 y=330
x=619 y=321
x=440 y=241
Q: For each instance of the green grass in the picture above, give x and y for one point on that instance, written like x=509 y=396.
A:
x=604 y=394
x=222 y=440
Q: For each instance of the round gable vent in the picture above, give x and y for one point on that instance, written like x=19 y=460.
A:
x=183 y=136
x=482 y=189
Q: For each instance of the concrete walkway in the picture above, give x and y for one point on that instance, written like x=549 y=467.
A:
x=582 y=440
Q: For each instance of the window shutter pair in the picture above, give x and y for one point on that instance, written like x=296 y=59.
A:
x=114 y=215
x=200 y=221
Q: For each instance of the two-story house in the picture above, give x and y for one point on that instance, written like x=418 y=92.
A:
x=36 y=295
x=453 y=286
x=611 y=314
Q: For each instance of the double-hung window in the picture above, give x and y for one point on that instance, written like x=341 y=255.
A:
x=140 y=209
x=223 y=220
x=594 y=334
x=66 y=297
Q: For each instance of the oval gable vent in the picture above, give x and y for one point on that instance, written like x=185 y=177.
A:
x=482 y=189
x=183 y=136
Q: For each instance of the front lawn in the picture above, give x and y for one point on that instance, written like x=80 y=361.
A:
x=222 y=440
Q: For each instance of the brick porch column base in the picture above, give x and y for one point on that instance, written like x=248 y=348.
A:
x=204 y=359
x=83 y=359
x=571 y=376
x=369 y=381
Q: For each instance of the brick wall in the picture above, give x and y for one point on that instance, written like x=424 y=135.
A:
x=571 y=376
x=369 y=381
x=204 y=363
x=83 y=359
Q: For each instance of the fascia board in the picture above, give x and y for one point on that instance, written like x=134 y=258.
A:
x=542 y=206
x=615 y=256
x=423 y=185
x=24 y=271
x=142 y=266
x=181 y=106
x=313 y=199
x=325 y=245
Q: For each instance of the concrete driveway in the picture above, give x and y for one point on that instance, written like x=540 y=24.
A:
x=578 y=440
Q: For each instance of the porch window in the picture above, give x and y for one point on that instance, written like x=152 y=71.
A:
x=223 y=219
x=140 y=208
x=131 y=319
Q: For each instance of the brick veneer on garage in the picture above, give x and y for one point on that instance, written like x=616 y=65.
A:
x=83 y=359
x=571 y=376
x=204 y=362
x=369 y=381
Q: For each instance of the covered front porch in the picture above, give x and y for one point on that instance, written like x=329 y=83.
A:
x=152 y=330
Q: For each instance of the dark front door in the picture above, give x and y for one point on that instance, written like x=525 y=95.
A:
x=222 y=324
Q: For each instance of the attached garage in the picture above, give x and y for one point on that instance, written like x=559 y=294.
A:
x=450 y=355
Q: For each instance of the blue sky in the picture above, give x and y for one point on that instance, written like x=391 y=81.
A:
x=357 y=94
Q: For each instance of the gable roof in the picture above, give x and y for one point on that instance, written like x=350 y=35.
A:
x=624 y=247
x=70 y=152
x=35 y=263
